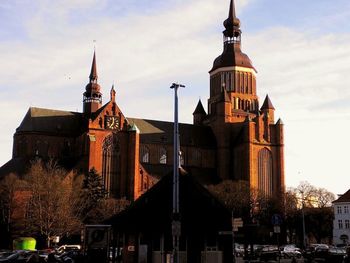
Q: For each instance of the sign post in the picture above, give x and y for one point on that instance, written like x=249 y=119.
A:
x=276 y=221
x=236 y=223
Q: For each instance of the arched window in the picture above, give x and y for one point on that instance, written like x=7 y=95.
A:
x=265 y=174
x=110 y=162
x=162 y=155
x=144 y=154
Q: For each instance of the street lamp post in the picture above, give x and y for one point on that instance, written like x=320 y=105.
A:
x=176 y=223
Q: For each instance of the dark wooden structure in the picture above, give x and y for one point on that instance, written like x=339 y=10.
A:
x=144 y=229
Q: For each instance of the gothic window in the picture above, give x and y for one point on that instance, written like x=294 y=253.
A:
x=347 y=223
x=265 y=174
x=110 y=161
x=162 y=156
x=339 y=210
x=144 y=154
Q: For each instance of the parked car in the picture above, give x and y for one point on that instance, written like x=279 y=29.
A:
x=268 y=253
x=66 y=248
x=16 y=256
x=290 y=251
x=239 y=250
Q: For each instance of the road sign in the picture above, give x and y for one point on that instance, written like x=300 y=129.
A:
x=276 y=220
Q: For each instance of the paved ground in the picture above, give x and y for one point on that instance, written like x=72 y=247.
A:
x=240 y=260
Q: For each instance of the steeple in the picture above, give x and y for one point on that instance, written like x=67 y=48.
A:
x=267 y=104
x=112 y=93
x=234 y=70
x=232 y=32
x=268 y=109
x=93 y=73
x=232 y=54
x=92 y=97
x=199 y=114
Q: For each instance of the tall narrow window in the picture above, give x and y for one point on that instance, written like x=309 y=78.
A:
x=340 y=224
x=162 y=155
x=265 y=174
x=347 y=223
x=346 y=209
x=110 y=162
x=144 y=154
x=339 y=210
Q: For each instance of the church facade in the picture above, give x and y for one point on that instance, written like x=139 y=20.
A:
x=234 y=139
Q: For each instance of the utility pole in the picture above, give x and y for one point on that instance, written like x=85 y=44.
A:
x=176 y=223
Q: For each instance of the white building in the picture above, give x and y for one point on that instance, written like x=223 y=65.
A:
x=341 y=223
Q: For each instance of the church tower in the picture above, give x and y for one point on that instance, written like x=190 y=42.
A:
x=92 y=97
x=234 y=72
x=249 y=143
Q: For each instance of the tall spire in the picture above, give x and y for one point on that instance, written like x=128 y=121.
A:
x=92 y=97
x=93 y=74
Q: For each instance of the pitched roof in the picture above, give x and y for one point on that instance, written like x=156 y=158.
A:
x=200 y=210
x=51 y=121
x=155 y=132
x=343 y=198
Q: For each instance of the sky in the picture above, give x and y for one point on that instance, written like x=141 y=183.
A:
x=301 y=50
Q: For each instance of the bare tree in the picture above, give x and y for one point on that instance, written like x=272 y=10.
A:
x=311 y=205
x=324 y=198
x=8 y=187
x=239 y=198
x=311 y=196
x=49 y=210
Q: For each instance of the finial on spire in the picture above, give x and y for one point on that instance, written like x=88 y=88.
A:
x=232 y=12
x=232 y=23
x=93 y=74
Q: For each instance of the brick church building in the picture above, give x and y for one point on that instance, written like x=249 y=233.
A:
x=235 y=138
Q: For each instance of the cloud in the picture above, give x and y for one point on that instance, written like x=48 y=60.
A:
x=143 y=52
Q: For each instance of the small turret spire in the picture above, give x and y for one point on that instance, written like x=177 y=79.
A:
x=93 y=73
x=112 y=93
x=267 y=105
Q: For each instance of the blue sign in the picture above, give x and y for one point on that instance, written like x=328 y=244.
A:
x=276 y=220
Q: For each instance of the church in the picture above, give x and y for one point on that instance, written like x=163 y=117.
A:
x=232 y=138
